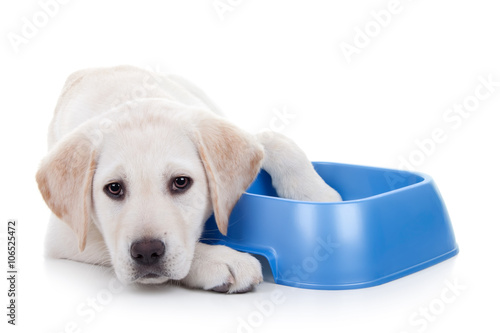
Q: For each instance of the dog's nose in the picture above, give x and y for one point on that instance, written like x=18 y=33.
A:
x=147 y=251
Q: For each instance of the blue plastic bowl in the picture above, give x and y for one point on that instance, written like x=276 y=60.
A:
x=391 y=223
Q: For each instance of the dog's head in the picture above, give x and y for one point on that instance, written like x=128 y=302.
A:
x=149 y=178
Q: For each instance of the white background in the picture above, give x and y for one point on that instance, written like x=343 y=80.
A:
x=265 y=56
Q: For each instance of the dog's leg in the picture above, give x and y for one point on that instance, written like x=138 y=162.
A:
x=292 y=173
x=221 y=269
x=61 y=243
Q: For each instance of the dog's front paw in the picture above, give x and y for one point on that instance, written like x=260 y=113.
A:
x=222 y=269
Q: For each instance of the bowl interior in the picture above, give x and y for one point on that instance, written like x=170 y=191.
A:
x=353 y=182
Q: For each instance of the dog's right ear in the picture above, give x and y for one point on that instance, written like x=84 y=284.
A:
x=65 y=181
x=232 y=159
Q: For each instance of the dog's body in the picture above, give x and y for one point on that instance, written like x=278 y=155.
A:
x=137 y=163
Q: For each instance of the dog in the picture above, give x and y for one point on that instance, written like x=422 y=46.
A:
x=137 y=163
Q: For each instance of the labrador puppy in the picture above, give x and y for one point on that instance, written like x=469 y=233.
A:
x=137 y=163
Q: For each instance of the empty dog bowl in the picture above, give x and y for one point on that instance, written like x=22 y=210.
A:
x=391 y=223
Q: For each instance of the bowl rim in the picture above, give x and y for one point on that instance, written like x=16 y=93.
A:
x=426 y=179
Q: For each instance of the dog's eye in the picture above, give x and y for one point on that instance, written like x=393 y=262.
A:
x=115 y=190
x=181 y=183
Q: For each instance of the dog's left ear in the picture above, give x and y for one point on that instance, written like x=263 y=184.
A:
x=232 y=159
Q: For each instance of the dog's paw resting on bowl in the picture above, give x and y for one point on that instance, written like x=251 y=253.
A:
x=131 y=181
x=293 y=175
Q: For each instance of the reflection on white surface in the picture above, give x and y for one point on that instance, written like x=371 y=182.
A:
x=90 y=298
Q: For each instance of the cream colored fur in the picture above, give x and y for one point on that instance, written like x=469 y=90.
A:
x=128 y=125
